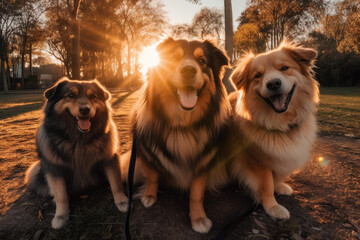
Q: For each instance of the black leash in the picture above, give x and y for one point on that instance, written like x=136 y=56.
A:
x=130 y=187
x=228 y=228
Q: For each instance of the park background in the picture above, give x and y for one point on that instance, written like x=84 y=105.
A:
x=114 y=41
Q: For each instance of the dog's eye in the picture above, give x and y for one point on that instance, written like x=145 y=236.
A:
x=284 y=68
x=202 y=61
x=71 y=95
x=92 y=96
x=258 y=75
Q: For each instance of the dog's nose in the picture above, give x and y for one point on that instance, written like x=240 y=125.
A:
x=274 y=84
x=188 y=71
x=84 y=110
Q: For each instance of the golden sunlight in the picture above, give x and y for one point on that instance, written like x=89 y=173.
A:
x=148 y=58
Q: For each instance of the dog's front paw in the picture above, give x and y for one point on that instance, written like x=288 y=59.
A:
x=59 y=221
x=283 y=189
x=122 y=206
x=278 y=211
x=148 y=200
x=201 y=225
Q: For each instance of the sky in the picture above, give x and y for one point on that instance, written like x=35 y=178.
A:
x=182 y=11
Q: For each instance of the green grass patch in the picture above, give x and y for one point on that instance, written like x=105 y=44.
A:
x=339 y=111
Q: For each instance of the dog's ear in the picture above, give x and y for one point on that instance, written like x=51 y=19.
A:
x=163 y=46
x=240 y=74
x=304 y=56
x=106 y=95
x=52 y=92
x=218 y=58
x=220 y=55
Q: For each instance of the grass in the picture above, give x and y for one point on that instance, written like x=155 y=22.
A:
x=338 y=114
x=339 y=111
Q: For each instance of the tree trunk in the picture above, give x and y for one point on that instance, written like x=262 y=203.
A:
x=23 y=65
x=136 y=62
x=229 y=45
x=30 y=59
x=128 y=61
x=228 y=29
x=3 y=73
x=120 y=68
x=75 y=56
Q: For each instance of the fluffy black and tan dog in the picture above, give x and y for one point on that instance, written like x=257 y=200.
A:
x=179 y=121
x=77 y=146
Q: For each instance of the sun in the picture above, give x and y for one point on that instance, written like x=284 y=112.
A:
x=148 y=58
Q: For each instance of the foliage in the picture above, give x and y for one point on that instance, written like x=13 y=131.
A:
x=338 y=45
x=9 y=13
x=29 y=31
x=206 y=24
x=281 y=18
x=344 y=26
x=58 y=34
x=182 y=31
x=112 y=33
x=249 y=38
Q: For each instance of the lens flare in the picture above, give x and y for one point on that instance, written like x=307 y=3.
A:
x=148 y=58
x=322 y=161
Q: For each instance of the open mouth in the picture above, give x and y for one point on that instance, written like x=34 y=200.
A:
x=280 y=102
x=83 y=124
x=188 y=97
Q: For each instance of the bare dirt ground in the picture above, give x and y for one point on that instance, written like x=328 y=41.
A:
x=325 y=203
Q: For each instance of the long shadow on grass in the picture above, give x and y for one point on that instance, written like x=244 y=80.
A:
x=17 y=110
x=122 y=98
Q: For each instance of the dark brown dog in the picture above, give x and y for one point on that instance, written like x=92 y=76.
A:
x=77 y=146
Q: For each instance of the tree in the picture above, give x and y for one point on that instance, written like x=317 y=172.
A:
x=182 y=31
x=75 y=54
x=338 y=41
x=208 y=23
x=249 y=38
x=139 y=24
x=344 y=26
x=8 y=15
x=229 y=45
x=58 y=34
x=284 y=17
x=29 y=31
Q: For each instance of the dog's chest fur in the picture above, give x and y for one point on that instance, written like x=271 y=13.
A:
x=177 y=153
x=283 y=152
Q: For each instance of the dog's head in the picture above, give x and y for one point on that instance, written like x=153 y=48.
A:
x=187 y=76
x=81 y=101
x=278 y=80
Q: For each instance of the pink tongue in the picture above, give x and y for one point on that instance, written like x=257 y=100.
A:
x=188 y=97
x=84 y=124
x=279 y=101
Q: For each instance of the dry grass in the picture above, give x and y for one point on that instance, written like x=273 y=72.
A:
x=339 y=111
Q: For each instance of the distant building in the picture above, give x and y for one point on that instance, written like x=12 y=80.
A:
x=48 y=74
x=43 y=77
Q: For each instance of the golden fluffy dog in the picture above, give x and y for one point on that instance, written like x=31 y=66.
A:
x=274 y=119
